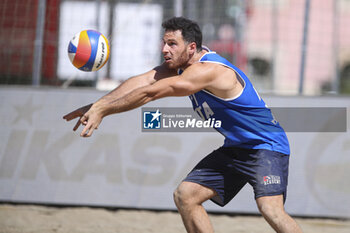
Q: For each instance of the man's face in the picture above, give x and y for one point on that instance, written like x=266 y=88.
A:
x=175 y=50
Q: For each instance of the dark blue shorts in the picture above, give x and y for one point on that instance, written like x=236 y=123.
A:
x=227 y=169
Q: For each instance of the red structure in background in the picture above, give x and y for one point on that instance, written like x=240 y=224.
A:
x=17 y=33
x=17 y=37
x=228 y=47
x=49 y=65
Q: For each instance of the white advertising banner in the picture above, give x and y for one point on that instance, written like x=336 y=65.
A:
x=76 y=16
x=136 y=30
x=43 y=161
x=136 y=39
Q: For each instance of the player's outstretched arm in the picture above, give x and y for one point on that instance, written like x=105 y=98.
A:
x=122 y=90
x=192 y=80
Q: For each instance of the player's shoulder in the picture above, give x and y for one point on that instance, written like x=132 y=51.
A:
x=213 y=68
x=201 y=69
x=207 y=72
x=205 y=65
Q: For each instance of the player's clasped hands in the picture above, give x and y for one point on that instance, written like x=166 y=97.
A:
x=88 y=117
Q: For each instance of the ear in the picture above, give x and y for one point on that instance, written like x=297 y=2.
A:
x=192 y=47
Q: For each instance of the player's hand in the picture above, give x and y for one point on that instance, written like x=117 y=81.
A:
x=88 y=116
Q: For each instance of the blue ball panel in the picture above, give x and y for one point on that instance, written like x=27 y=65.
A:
x=71 y=48
x=94 y=38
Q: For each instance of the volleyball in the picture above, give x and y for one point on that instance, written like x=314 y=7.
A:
x=88 y=50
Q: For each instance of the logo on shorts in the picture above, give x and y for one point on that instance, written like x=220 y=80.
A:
x=272 y=180
x=152 y=119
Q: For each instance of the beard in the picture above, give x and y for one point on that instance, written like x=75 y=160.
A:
x=179 y=62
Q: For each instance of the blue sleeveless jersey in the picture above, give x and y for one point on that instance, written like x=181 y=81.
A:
x=246 y=121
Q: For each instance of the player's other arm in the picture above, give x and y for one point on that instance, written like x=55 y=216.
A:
x=126 y=87
x=138 y=81
x=130 y=85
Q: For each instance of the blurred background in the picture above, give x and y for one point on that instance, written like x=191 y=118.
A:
x=287 y=47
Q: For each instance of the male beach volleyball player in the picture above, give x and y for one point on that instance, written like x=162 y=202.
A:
x=255 y=151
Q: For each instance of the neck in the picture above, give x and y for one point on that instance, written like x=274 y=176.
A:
x=195 y=58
